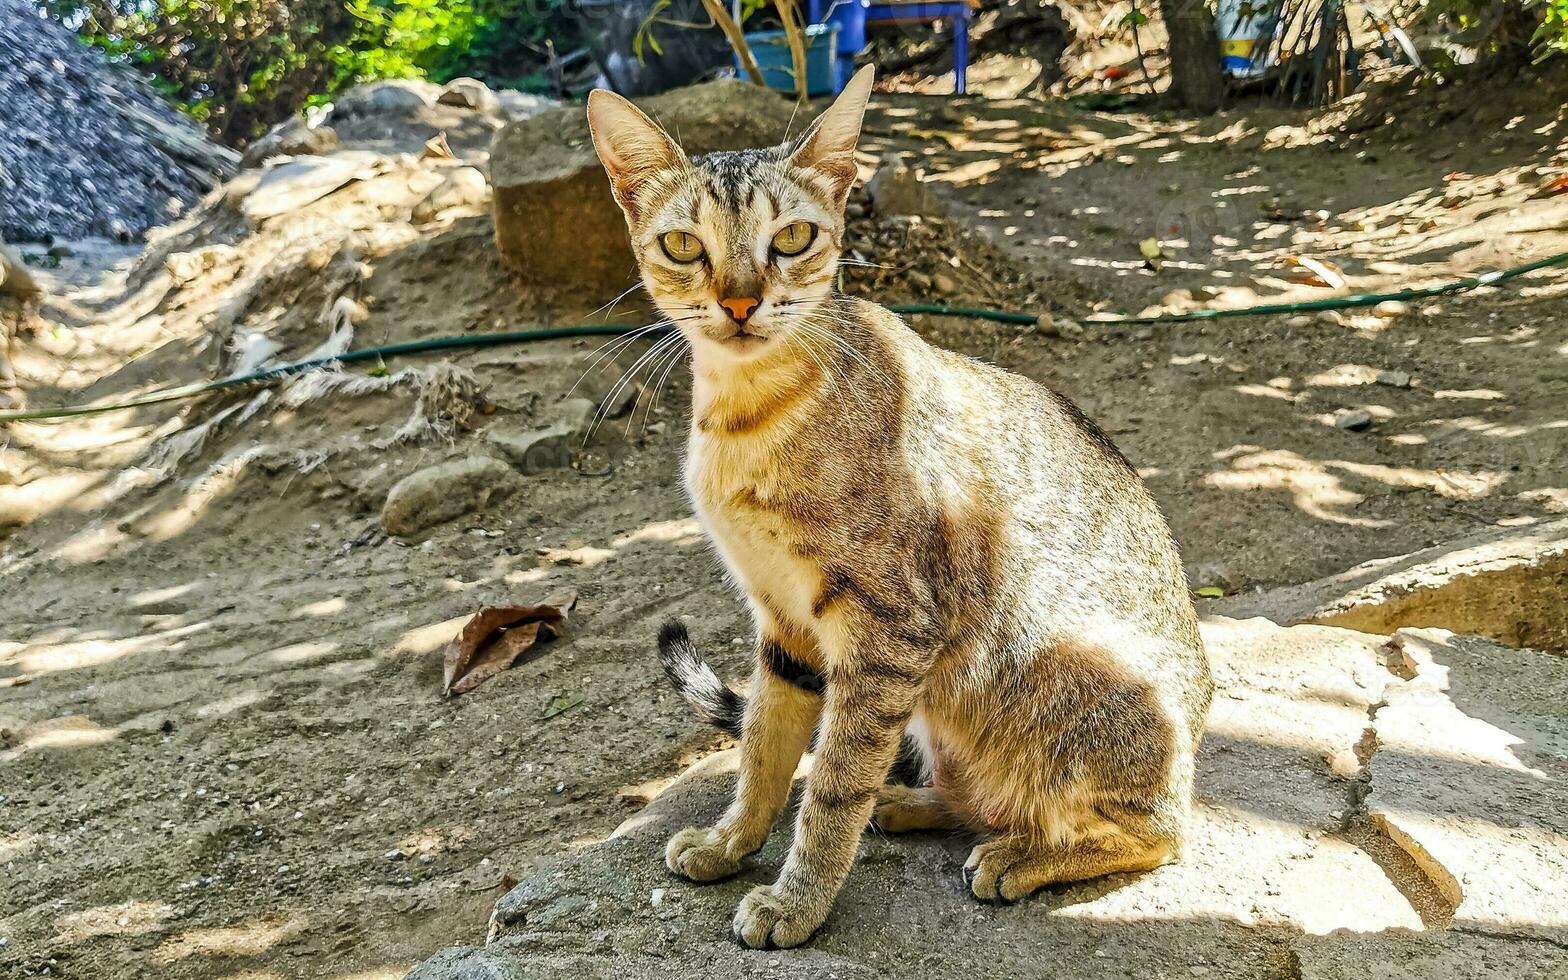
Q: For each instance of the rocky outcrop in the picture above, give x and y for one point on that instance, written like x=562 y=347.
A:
x=1510 y=584
x=1287 y=872
x=86 y=149
x=556 y=225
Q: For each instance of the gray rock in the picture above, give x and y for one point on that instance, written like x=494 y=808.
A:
x=291 y=185
x=557 y=227
x=470 y=93
x=517 y=105
x=448 y=490
x=1353 y=420
x=534 y=451
x=1268 y=865
x=291 y=138
x=383 y=97
x=1426 y=956
x=1471 y=745
x=464 y=187
x=1394 y=379
x=897 y=190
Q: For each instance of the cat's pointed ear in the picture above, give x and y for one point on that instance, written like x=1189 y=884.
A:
x=829 y=146
x=631 y=146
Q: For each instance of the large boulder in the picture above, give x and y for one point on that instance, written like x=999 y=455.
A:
x=556 y=225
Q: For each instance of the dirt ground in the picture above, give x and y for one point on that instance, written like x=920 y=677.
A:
x=223 y=747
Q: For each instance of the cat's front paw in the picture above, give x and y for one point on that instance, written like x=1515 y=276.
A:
x=702 y=854
x=770 y=919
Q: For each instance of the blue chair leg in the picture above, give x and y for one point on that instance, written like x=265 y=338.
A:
x=961 y=52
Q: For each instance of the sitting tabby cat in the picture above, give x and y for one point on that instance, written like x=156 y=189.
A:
x=938 y=555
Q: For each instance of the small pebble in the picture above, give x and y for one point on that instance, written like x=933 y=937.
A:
x=657 y=897
x=1394 y=379
x=1390 y=308
x=395 y=855
x=1353 y=420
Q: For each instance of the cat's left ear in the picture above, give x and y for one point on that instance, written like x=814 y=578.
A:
x=829 y=147
x=631 y=146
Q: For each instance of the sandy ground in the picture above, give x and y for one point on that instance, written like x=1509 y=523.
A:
x=223 y=748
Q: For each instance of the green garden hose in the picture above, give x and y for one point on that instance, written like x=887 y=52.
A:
x=908 y=309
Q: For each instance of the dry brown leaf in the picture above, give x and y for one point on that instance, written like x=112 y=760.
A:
x=497 y=636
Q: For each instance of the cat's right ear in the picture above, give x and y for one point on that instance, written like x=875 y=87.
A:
x=631 y=146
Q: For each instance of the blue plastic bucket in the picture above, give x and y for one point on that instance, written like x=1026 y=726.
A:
x=771 y=49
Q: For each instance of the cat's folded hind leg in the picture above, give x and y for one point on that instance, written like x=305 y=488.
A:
x=1128 y=838
x=902 y=809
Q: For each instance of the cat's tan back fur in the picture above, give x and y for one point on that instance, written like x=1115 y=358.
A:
x=965 y=559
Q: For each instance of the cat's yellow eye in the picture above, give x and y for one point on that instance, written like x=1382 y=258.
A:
x=794 y=238
x=681 y=246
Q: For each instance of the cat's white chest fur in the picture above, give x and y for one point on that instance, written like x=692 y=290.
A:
x=731 y=483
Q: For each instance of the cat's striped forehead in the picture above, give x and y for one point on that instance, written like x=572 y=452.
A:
x=731 y=188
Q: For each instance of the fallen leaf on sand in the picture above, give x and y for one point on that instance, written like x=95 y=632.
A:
x=1211 y=592
x=1315 y=272
x=497 y=636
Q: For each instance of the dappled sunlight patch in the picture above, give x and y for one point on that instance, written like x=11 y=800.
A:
x=1554 y=500
x=683 y=531
x=220 y=480
x=1256 y=870
x=323 y=607
x=428 y=639
x=433 y=841
x=70 y=732
x=157 y=597
x=300 y=653
x=1266 y=391
x=17 y=845
x=45 y=658
x=128 y=919
x=224 y=707
x=1320 y=491
x=1314 y=490
x=1450 y=483
x=89 y=545
x=250 y=939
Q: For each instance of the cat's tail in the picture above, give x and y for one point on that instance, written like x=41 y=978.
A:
x=725 y=710
x=698 y=684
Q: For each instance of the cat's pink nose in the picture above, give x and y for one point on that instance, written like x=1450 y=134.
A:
x=739 y=308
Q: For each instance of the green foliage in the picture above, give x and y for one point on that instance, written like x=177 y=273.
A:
x=407 y=39
x=1509 y=27
x=1552 y=36
x=241 y=65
